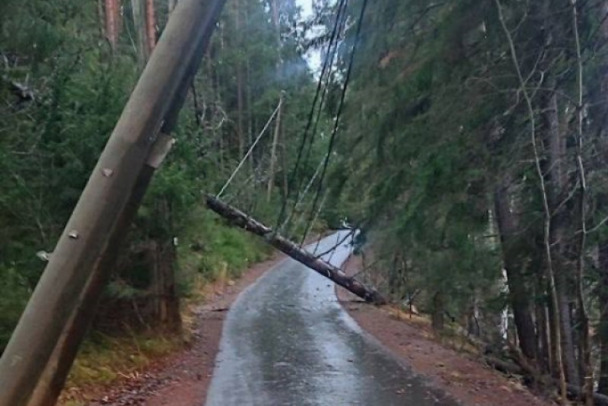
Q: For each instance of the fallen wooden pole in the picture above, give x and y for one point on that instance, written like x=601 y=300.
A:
x=242 y=220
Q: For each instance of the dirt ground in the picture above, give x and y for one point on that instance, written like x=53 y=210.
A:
x=182 y=379
x=466 y=378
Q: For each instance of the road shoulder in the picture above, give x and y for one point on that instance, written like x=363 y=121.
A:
x=459 y=374
x=183 y=378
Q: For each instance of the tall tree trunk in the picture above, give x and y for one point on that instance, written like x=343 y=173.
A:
x=273 y=151
x=514 y=259
x=602 y=206
x=281 y=141
x=586 y=368
x=138 y=10
x=251 y=123
x=276 y=19
x=150 y=26
x=544 y=354
x=240 y=104
x=111 y=21
x=603 y=325
x=251 y=118
x=437 y=317
x=239 y=82
x=543 y=328
x=558 y=182
x=144 y=21
x=165 y=303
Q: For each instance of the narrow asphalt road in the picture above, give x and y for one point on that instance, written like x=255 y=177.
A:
x=287 y=341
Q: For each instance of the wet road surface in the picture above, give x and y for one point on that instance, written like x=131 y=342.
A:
x=287 y=341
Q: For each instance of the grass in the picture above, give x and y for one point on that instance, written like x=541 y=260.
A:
x=104 y=359
x=208 y=251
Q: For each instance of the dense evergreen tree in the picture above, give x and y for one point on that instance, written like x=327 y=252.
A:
x=471 y=144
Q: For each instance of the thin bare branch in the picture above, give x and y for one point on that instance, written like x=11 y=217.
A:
x=545 y=199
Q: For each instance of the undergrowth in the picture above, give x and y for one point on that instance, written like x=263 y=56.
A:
x=208 y=251
x=103 y=359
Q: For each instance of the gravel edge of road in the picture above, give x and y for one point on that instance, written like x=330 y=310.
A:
x=195 y=370
x=183 y=378
x=460 y=375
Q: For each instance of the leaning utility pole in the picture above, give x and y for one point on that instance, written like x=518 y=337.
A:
x=101 y=207
x=55 y=374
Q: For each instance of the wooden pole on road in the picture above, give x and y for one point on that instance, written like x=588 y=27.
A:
x=242 y=220
x=88 y=234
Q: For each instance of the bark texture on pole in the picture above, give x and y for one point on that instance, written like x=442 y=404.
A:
x=85 y=238
x=242 y=220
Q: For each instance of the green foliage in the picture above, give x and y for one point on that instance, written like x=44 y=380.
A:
x=414 y=167
x=470 y=146
x=51 y=132
x=49 y=144
x=209 y=249
x=12 y=300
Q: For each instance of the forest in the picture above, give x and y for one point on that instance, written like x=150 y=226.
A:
x=463 y=139
x=67 y=70
x=472 y=153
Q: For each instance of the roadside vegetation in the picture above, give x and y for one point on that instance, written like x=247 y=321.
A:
x=66 y=70
x=467 y=140
x=473 y=157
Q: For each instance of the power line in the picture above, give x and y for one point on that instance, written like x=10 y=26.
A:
x=338 y=114
x=250 y=150
x=328 y=60
x=328 y=79
x=299 y=196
